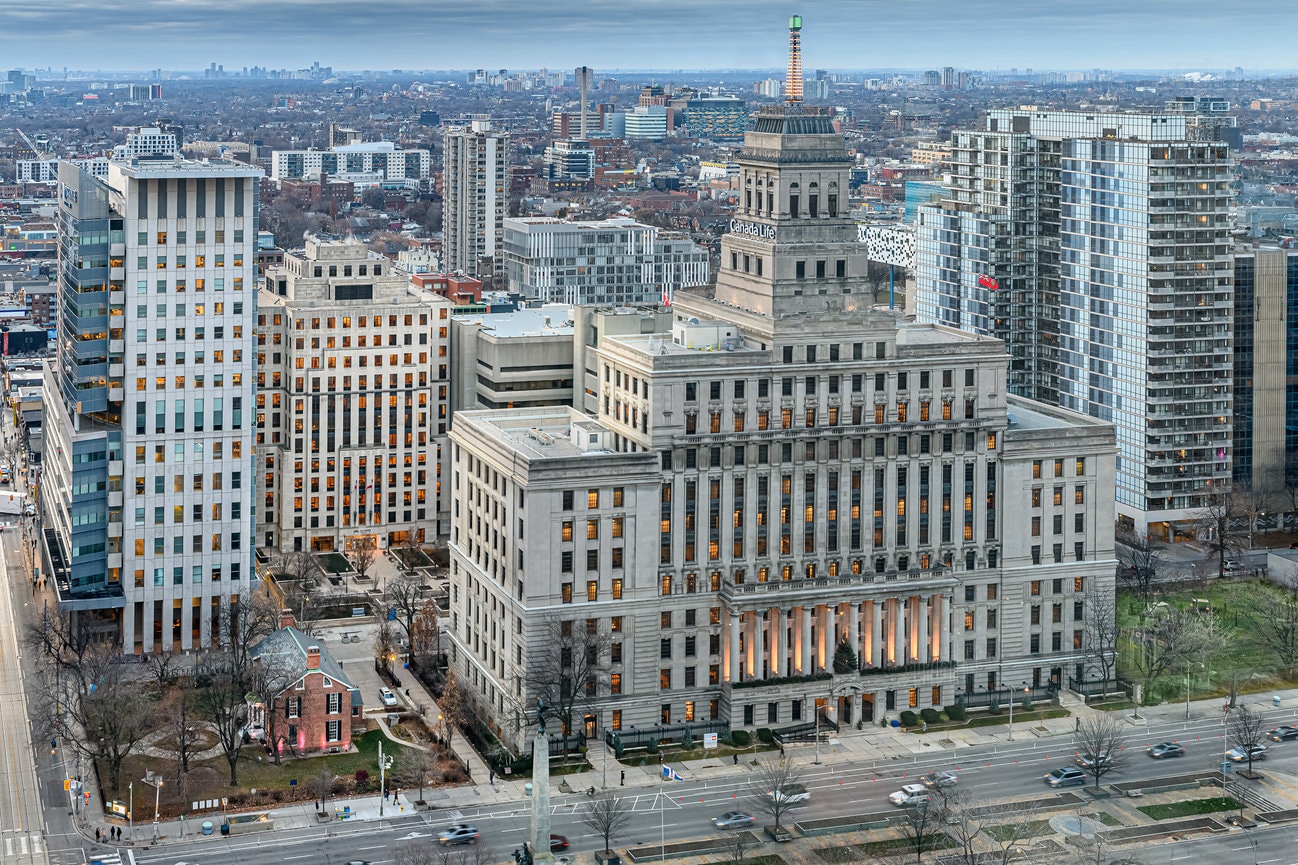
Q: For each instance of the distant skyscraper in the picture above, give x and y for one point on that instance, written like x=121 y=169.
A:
x=1097 y=247
x=948 y=77
x=476 y=197
x=147 y=489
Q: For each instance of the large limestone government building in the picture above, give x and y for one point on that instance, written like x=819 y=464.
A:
x=791 y=506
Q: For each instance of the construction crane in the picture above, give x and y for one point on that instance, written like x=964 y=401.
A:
x=31 y=145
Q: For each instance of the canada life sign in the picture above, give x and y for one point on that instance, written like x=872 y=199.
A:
x=752 y=229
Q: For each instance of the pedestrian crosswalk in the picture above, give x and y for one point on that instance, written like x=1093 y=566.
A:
x=105 y=859
x=17 y=844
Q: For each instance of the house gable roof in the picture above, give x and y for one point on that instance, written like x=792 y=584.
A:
x=290 y=643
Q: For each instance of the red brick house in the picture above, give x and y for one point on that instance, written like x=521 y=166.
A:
x=316 y=711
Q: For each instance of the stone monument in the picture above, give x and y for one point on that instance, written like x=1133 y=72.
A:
x=540 y=789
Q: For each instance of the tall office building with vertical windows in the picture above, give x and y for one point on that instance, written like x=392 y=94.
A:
x=1097 y=246
x=146 y=495
x=476 y=198
x=789 y=508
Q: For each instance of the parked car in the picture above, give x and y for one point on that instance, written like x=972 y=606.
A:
x=459 y=833
x=1165 y=749
x=733 y=820
x=934 y=780
x=1233 y=568
x=1242 y=753
x=558 y=842
x=1090 y=761
x=389 y=699
x=910 y=796
x=1284 y=734
x=1068 y=776
x=790 y=793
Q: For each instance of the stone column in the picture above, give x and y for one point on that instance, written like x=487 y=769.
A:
x=854 y=630
x=778 y=649
x=876 y=633
x=540 y=797
x=759 y=651
x=128 y=627
x=899 y=630
x=808 y=665
x=922 y=644
x=733 y=623
x=943 y=649
x=824 y=616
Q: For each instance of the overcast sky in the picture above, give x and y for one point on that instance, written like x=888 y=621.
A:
x=646 y=34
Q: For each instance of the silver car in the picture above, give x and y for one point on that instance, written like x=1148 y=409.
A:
x=733 y=820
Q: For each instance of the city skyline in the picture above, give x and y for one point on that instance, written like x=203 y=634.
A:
x=667 y=34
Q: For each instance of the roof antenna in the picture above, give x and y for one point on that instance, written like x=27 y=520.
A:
x=793 y=75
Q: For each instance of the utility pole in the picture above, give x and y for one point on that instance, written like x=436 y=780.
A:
x=383 y=790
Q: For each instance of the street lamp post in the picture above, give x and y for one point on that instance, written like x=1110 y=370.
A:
x=1012 y=692
x=157 y=793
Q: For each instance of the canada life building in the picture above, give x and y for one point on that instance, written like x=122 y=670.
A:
x=786 y=470
x=146 y=491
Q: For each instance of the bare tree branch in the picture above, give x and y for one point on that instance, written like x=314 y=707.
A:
x=608 y=818
x=1098 y=740
x=776 y=789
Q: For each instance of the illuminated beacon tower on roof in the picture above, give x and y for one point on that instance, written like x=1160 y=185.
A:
x=793 y=75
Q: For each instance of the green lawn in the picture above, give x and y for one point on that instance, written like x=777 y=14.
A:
x=1189 y=808
x=1230 y=602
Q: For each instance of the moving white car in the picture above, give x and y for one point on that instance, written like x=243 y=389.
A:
x=910 y=796
x=790 y=794
x=389 y=699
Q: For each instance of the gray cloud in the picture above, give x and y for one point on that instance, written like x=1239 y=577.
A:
x=641 y=34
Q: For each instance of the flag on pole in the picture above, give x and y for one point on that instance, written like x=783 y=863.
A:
x=667 y=297
x=986 y=281
x=670 y=774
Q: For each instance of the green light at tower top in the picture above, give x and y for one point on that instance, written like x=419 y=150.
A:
x=795 y=22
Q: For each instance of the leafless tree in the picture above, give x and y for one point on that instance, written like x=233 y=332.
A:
x=1225 y=506
x=247 y=623
x=1244 y=728
x=568 y=671
x=1164 y=643
x=739 y=845
x=425 y=639
x=269 y=678
x=1100 y=633
x=179 y=712
x=298 y=575
x=1275 y=621
x=608 y=818
x=362 y=552
x=1140 y=564
x=322 y=786
x=922 y=825
x=452 y=709
x=406 y=594
x=418 y=768
x=964 y=822
x=101 y=709
x=1098 y=741
x=771 y=791
x=222 y=702
x=163 y=668
x=385 y=642
x=1008 y=825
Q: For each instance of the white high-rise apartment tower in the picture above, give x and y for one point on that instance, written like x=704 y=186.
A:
x=475 y=198
x=1098 y=247
x=147 y=489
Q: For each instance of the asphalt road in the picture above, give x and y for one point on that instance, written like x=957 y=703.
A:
x=683 y=809
x=22 y=825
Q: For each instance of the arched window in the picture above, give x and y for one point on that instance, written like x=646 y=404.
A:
x=813 y=199
x=833 y=198
x=793 y=200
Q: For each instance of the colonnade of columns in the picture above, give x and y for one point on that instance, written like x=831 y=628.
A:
x=779 y=641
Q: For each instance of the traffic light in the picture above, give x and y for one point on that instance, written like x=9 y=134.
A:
x=86 y=796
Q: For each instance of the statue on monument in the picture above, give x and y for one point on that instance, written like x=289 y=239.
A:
x=540 y=716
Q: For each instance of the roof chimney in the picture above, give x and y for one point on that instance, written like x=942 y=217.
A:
x=313 y=657
x=286 y=618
